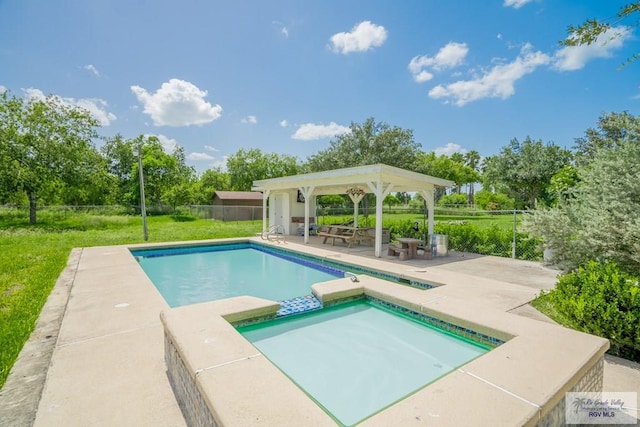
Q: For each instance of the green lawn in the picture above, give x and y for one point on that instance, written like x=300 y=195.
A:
x=32 y=258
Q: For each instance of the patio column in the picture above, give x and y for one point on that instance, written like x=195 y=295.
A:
x=381 y=192
x=427 y=195
x=265 y=197
x=356 y=199
x=306 y=193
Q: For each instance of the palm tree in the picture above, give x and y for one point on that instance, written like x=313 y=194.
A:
x=472 y=159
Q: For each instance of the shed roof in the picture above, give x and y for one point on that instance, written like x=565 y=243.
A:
x=339 y=180
x=238 y=195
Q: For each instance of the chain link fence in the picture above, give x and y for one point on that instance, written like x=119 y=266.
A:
x=498 y=233
x=486 y=232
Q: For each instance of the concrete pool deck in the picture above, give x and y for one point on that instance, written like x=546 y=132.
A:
x=107 y=364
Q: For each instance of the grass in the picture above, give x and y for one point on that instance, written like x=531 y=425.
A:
x=543 y=304
x=32 y=258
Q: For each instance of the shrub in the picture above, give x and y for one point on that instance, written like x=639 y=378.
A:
x=488 y=200
x=600 y=299
x=454 y=200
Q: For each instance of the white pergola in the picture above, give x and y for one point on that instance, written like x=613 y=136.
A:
x=377 y=179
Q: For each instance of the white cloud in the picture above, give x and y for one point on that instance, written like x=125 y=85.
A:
x=362 y=37
x=498 y=82
x=167 y=143
x=219 y=164
x=499 y=36
x=423 y=76
x=310 y=131
x=93 y=70
x=449 y=149
x=516 y=4
x=177 y=103
x=449 y=56
x=284 y=31
x=571 y=58
x=250 y=119
x=3 y=89
x=210 y=148
x=199 y=156
x=284 y=123
x=95 y=106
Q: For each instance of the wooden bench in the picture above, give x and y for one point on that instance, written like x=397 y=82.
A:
x=348 y=239
x=394 y=250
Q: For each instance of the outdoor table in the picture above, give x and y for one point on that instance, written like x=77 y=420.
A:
x=347 y=234
x=411 y=244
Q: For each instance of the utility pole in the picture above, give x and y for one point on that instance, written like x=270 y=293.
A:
x=143 y=208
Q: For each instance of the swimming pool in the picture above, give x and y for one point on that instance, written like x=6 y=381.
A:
x=192 y=274
x=357 y=358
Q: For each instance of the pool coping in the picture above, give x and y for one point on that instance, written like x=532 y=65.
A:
x=85 y=404
x=521 y=382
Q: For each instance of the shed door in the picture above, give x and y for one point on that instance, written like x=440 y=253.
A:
x=281 y=211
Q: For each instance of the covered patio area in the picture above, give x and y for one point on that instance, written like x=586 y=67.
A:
x=285 y=195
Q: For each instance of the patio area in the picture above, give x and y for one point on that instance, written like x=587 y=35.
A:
x=97 y=358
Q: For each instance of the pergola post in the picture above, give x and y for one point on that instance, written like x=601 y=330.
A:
x=381 y=193
x=306 y=193
x=356 y=199
x=265 y=197
x=427 y=195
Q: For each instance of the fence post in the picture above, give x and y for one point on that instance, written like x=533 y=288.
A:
x=513 y=244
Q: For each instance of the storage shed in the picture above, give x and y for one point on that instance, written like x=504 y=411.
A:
x=237 y=205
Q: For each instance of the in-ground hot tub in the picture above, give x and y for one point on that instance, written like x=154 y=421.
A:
x=220 y=378
x=355 y=359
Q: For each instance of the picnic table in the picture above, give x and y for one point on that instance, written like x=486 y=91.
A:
x=408 y=248
x=348 y=234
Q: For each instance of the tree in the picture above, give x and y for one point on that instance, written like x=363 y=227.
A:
x=168 y=180
x=246 y=166
x=472 y=159
x=367 y=144
x=210 y=181
x=590 y=31
x=451 y=168
x=612 y=130
x=488 y=200
x=525 y=169
x=162 y=172
x=43 y=142
x=121 y=155
x=600 y=222
x=391 y=200
x=562 y=184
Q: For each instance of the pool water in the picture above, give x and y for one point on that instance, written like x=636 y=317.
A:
x=194 y=277
x=358 y=358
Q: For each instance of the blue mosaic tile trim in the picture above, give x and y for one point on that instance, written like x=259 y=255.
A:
x=181 y=250
x=442 y=324
x=422 y=285
x=251 y=321
x=302 y=261
x=298 y=305
x=342 y=266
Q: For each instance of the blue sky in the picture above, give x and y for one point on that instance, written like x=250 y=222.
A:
x=285 y=76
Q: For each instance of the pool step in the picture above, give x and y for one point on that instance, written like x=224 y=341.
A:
x=298 y=305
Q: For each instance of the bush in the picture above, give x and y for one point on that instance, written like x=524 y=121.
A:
x=454 y=200
x=490 y=201
x=600 y=299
